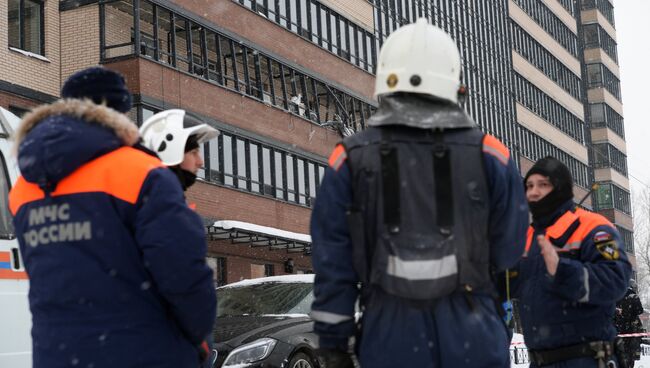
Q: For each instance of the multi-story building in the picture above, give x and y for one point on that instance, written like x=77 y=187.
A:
x=284 y=80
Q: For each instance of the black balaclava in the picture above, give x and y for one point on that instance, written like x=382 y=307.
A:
x=560 y=177
x=187 y=178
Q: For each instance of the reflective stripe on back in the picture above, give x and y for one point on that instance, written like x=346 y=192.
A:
x=119 y=173
x=495 y=148
x=328 y=317
x=433 y=269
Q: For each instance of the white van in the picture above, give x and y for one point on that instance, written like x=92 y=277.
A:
x=15 y=317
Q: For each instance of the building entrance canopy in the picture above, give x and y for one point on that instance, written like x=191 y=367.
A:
x=260 y=236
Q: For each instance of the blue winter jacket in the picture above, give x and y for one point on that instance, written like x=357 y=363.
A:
x=115 y=258
x=459 y=331
x=577 y=304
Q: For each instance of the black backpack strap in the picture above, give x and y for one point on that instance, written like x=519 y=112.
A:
x=443 y=184
x=390 y=182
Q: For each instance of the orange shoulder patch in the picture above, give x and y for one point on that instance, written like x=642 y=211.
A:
x=494 y=147
x=119 y=173
x=337 y=157
x=23 y=192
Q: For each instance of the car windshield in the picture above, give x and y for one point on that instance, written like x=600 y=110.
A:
x=265 y=298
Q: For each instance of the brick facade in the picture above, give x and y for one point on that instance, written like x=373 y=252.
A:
x=9 y=100
x=28 y=71
x=237 y=19
x=79 y=39
x=72 y=42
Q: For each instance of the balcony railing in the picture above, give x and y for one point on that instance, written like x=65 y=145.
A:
x=193 y=47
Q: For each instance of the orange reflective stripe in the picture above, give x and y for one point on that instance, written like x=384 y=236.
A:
x=6 y=274
x=337 y=157
x=588 y=222
x=120 y=174
x=495 y=148
x=23 y=192
x=556 y=230
x=9 y=273
x=529 y=239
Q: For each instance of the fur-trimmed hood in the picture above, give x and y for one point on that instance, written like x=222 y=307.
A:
x=54 y=140
x=86 y=110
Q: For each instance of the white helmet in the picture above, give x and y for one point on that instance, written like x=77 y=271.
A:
x=166 y=133
x=419 y=58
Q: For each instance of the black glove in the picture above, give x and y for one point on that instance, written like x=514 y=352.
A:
x=334 y=358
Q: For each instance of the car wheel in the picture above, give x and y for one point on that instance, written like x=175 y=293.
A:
x=301 y=360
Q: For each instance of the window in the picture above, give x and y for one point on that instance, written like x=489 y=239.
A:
x=259 y=270
x=219 y=269
x=597 y=113
x=322 y=26
x=269 y=270
x=603 y=115
x=252 y=166
x=117 y=16
x=610 y=196
x=191 y=47
x=628 y=239
x=26 y=25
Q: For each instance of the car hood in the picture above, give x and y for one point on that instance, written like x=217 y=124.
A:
x=237 y=330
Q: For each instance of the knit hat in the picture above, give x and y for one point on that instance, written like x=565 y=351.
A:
x=560 y=177
x=101 y=85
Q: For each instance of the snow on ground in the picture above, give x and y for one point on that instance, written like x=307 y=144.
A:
x=519 y=354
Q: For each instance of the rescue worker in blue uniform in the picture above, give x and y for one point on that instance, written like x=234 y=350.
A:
x=573 y=272
x=115 y=258
x=413 y=216
x=175 y=136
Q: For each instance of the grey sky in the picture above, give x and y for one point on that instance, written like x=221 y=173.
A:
x=632 y=19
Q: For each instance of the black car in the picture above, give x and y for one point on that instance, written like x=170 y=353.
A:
x=264 y=323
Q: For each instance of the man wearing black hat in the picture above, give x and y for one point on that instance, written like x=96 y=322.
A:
x=573 y=271
x=115 y=258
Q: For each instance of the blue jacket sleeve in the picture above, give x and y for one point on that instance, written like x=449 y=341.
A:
x=335 y=285
x=508 y=212
x=172 y=241
x=602 y=273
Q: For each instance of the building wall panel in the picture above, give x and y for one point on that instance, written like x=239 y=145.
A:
x=27 y=71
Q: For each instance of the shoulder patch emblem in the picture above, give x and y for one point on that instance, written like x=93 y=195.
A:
x=602 y=237
x=337 y=157
x=609 y=250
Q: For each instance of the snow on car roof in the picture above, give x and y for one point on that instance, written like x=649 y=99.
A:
x=301 y=278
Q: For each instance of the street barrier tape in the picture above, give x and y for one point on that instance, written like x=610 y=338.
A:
x=640 y=334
